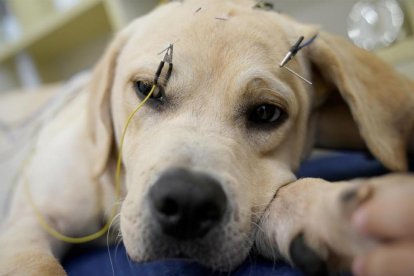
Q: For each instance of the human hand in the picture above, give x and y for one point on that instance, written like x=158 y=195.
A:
x=388 y=218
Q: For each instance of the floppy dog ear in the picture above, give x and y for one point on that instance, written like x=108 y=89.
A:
x=379 y=100
x=99 y=113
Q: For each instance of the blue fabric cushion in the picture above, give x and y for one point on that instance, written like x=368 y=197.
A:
x=96 y=261
x=92 y=261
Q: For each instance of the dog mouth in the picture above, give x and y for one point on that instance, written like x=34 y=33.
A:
x=187 y=215
x=222 y=248
x=218 y=251
x=182 y=256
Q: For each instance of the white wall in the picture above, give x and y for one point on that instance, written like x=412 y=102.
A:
x=331 y=15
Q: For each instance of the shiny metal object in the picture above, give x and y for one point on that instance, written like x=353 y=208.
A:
x=373 y=24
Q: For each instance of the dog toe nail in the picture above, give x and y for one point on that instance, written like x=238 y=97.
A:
x=349 y=195
x=364 y=193
x=305 y=258
x=357 y=195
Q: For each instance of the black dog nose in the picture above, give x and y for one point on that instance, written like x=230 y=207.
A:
x=186 y=204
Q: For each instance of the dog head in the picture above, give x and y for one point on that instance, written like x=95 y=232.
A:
x=202 y=161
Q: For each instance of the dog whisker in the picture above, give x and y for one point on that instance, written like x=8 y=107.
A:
x=118 y=243
x=249 y=254
x=228 y=265
x=116 y=217
x=258 y=226
x=264 y=239
x=130 y=263
x=248 y=241
x=260 y=205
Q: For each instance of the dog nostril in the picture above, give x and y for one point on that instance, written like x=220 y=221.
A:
x=169 y=207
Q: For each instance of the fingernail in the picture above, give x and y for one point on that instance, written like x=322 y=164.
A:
x=359 y=220
x=357 y=266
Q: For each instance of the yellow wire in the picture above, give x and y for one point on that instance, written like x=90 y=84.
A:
x=49 y=229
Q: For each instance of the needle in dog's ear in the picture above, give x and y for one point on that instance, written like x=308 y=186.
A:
x=292 y=53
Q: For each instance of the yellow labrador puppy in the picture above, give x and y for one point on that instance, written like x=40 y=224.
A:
x=209 y=161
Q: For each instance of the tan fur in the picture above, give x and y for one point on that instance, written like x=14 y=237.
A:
x=32 y=264
x=381 y=101
x=221 y=68
x=18 y=105
x=316 y=208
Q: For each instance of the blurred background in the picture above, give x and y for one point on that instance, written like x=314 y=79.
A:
x=48 y=41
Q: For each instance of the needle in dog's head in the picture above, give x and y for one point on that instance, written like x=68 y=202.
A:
x=292 y=53
x=168 y=56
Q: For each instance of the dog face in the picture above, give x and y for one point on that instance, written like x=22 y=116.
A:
x=222 y=119
x=202 y=162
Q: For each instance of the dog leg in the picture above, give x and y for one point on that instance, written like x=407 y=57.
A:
x=70 y=197
x=27 y=250
x=73 y=206
x=309 y=222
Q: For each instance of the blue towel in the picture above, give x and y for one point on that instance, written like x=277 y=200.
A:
x=92 y=261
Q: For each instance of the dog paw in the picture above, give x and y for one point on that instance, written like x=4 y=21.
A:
x=351 y=198
x=327 y=241
x=310 y=262
x=309 y=222
x=306 y=258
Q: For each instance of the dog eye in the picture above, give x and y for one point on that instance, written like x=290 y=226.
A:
x=266 y=114
x=143 y=88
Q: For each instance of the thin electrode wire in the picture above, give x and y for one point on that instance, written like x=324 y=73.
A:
x=53 y=232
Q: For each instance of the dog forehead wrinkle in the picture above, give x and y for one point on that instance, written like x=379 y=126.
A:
x=143 y=71
x=249 y=77
x=249 y=40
